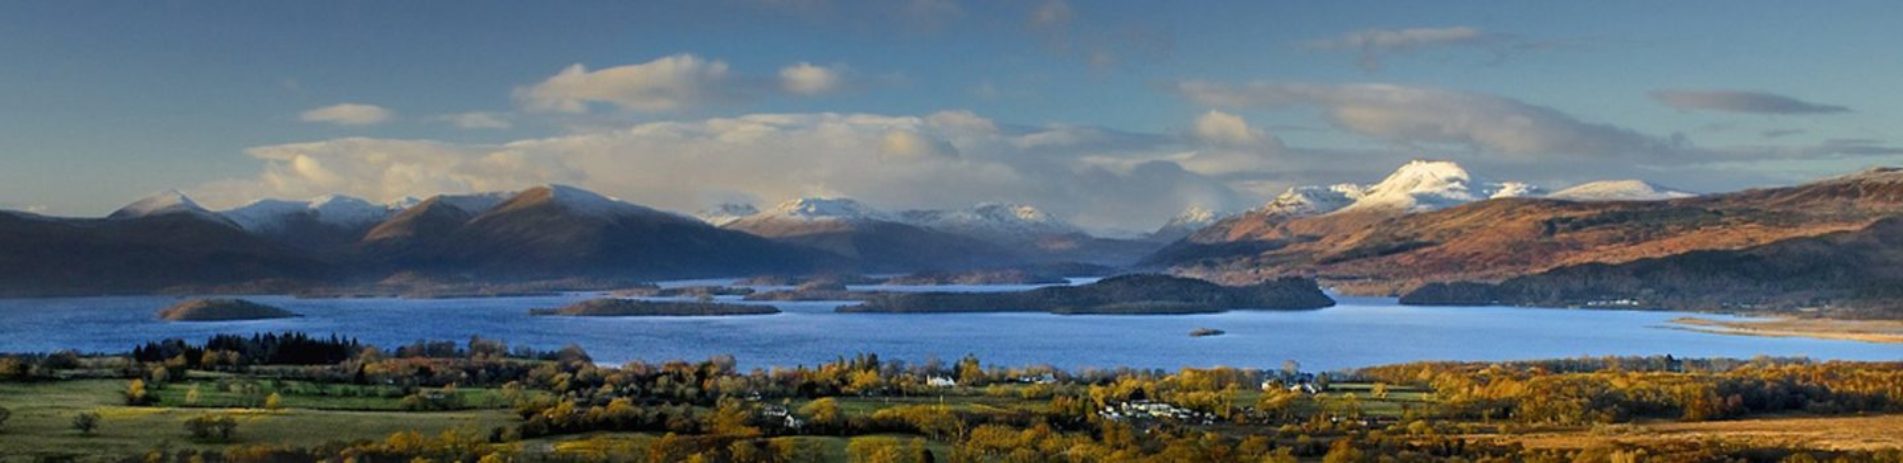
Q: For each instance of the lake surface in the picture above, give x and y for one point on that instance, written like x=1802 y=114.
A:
x=1358 y=332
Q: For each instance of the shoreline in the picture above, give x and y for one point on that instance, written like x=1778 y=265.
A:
x=1870 y=331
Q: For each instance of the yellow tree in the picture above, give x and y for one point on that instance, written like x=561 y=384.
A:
x=732 y=417
x=822 y=412
x=135 y=392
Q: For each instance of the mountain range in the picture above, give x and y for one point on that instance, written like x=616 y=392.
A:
x=1430 y=231
x=1580 y=238
x=168 y=242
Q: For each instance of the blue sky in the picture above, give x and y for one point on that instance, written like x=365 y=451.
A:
x=1218 y=104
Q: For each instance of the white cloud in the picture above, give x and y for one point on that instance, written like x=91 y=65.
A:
x=1421 y=115
x=947 y=159
x=1226 y=129
x=348 y=114
x=477 y=120
x=808 y=79
x=665 y=84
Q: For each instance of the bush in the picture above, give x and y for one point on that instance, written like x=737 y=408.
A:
x=205 y=427
x=4 y=415
x=86 y=422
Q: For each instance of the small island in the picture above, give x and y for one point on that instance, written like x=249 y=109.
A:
x=1204 y=332
x=220 y=310
x=638 y=308
x=1122 y=295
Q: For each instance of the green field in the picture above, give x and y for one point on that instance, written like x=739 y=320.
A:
x=230 y=392
x=43 y=412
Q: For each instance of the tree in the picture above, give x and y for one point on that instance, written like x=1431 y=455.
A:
x=970 y=372
x=86 y=422
x=1380 y=390
x=744 y=451
x=823 y=412
x=876 y=449
x=191 y=395
x=4 y=415
x=1343 y=451
x=796 y=450
x=205 y=427
x=732 y=417
x=135 y=392
x=274 y=402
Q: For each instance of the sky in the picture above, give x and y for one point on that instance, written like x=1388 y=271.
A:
x=1115 y=115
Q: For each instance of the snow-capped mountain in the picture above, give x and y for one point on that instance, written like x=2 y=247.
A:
x=167 y=202
x=997 y=222
x=1188 y=222
x=1620 y=190
x=1418 y=186
x=874 y=238
x=726 y=213
x=1312 y=200
x=402 y=203
x=823 y=209
x=332 y=210
x=477 y=202
x=1423 y=185
x=576 y=201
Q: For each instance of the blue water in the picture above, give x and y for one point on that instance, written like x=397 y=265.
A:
x=1358 y=332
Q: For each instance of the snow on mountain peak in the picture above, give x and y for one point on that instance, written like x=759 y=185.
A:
x=402 y=203
x=585 y=202
x=1424 y=185
x=1620 y=190
x=992 y=221
x=162 y=203
x=825 y=209
x=476 y=203
x=1310 y=200
x=1188 y=222
x=1195 y=215
x=726 y=213
x=334 y=210
x=347 y=211
x=1516 y=190
x=1419 y=185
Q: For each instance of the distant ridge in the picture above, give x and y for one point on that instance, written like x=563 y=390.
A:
x=1390 y=252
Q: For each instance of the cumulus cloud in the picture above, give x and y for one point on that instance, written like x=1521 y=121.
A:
x=807 y=79
x=664 y=84
x=1422 y=115
x=348 y=114
x=477 y=120
x=1741 y=102
x=947 y=159
x=1227 y=129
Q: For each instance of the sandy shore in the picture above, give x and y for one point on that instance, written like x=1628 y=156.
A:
x=1880 y=331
